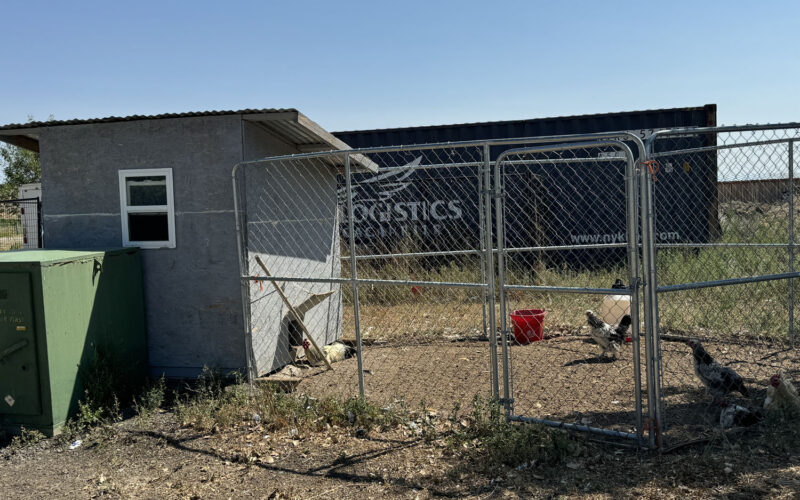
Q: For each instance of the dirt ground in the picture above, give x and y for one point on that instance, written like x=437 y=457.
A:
x=156 y=458
x=561 y=378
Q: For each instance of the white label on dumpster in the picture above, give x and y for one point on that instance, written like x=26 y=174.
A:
x=9 y=400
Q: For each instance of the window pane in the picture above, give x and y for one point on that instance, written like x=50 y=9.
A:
x=146 y=190
x=148 y=227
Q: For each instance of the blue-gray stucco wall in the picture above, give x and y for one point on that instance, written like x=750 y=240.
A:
x=192 y=292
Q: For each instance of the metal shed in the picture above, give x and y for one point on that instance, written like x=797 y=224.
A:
x=162 y=183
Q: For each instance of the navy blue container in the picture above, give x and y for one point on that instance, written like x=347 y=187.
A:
x=437 y=210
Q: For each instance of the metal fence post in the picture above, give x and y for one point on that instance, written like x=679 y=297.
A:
x=653 y=368
x=39 y=227
x=791 y=242
x=497 y=195
x=239 y=212
x=635 y=285
x=354 y=274
x=488 y=270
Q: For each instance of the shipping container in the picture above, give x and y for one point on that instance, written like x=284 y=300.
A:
x=439 y=208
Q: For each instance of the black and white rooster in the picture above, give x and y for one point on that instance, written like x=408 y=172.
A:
x=719 y=380
x=609 y=338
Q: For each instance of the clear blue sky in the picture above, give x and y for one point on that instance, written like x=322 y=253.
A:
x=353 y=65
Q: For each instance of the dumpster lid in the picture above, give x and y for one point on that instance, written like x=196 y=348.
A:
x=52 y=256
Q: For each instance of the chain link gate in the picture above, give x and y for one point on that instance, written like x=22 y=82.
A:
x=413 y=259
x=568 y=381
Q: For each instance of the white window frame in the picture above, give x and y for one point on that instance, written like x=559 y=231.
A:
x=125 y=209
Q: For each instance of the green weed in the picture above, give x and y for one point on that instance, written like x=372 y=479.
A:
x=491 y=439
x=152 y=398
x=26 y=438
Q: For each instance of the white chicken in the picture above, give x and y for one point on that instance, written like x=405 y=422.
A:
x=781 y=394
x=333 y=352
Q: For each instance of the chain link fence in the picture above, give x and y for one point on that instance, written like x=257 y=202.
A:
x=20 y=226
x=412 y=329
x=428 y=275
x=732 y=290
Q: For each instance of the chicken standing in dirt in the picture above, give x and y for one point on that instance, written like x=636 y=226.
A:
x=781 y=394
x=608 y=337
x=719 y=380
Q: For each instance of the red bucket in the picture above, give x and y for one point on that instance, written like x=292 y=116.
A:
x=528 y=325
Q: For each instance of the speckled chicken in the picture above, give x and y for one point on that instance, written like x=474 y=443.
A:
x=738 y=416
x=719 y=380
x=609 y=338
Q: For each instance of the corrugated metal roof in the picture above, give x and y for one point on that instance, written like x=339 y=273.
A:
x=287 y=123
x=108 y=119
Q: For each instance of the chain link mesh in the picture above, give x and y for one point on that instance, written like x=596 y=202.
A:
x=417 y=233
x=19 y=224
x=421 y=235
x=565 y=225
x=741 y=188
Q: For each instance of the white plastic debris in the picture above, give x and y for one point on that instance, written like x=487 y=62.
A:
x=75 y=444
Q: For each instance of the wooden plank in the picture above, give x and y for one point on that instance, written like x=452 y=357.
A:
x=293 y=311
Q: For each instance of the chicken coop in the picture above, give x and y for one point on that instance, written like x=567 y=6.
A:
x=570 y=269
x=162 y=183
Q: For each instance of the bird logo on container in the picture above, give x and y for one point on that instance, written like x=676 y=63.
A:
x=379 y=211
x=390 y=182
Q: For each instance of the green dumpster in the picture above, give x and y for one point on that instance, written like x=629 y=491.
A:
x=71 y=323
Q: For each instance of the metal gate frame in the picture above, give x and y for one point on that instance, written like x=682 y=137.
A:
x=632 y=183
x=641 y=245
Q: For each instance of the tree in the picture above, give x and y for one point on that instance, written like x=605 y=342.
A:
x=20 y=166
